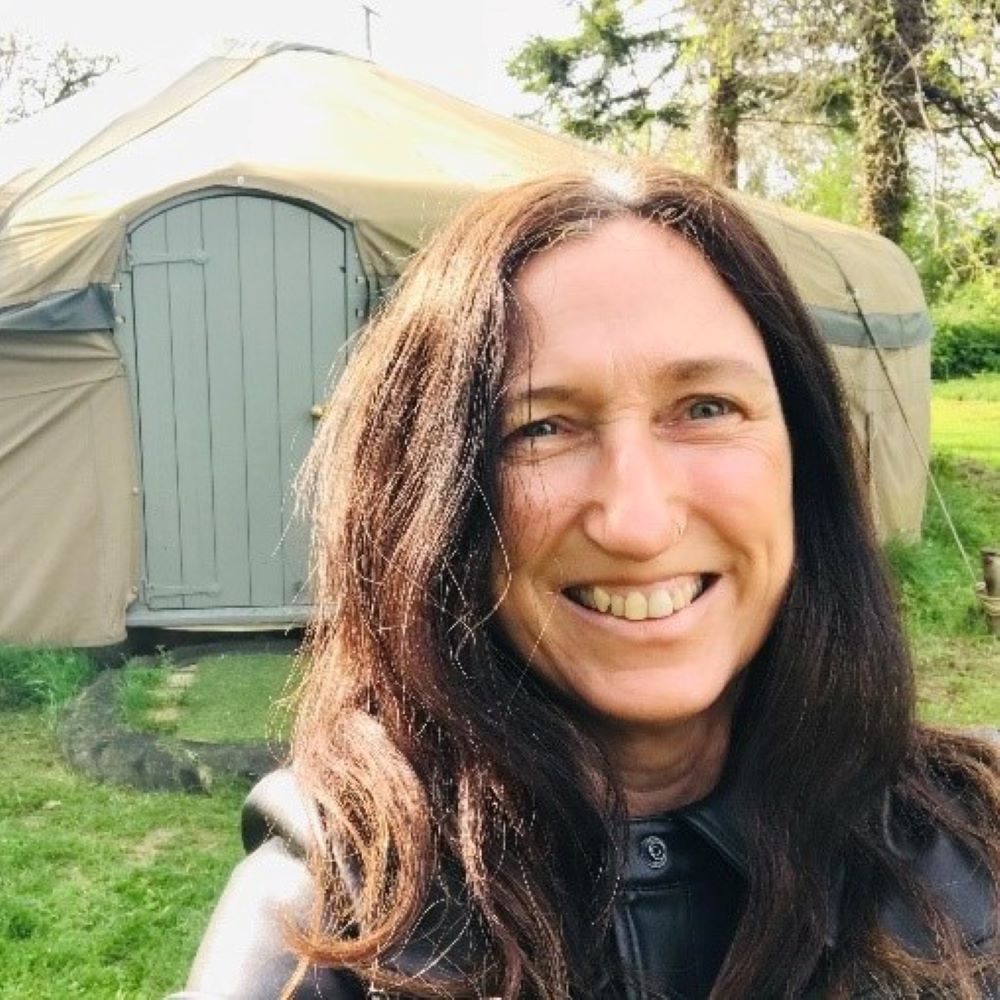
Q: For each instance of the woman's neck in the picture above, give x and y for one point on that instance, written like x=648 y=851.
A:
x=664 y=767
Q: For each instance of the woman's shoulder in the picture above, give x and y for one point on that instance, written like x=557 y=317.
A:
x=244 y=951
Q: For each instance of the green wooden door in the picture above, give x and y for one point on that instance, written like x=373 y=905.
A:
x=241 y=306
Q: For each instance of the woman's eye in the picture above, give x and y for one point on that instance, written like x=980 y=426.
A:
x=706 y=409
x=537 y=429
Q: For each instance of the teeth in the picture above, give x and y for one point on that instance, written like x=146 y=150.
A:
x=660 y=604
x=636 y=606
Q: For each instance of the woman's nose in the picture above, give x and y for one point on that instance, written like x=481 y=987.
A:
x=635 y=508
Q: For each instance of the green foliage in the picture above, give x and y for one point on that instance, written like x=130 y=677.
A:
x=45 y=678
x=607 y=82
x=951 y=239
x=967 y=330
x=830 y=187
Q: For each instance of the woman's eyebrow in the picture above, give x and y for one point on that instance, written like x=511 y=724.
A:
x=545 y=393
x=679 y=372
x=699 y=369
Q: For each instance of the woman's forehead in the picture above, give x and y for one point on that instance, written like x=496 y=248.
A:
x=631 y=300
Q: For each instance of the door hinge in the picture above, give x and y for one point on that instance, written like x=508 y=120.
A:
x=132 y=260
x=158 y=590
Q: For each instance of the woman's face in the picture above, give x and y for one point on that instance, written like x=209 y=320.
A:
x=646 y=476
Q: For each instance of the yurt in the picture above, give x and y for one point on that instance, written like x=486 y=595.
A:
x=184 y=257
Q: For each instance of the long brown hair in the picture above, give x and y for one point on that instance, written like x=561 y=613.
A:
x=430 y=745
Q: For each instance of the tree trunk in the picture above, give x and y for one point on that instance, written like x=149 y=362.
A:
x=891 y=36
x=723 y=125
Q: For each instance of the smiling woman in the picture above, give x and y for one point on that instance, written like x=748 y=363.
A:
x=607 y=697
x=647 y=528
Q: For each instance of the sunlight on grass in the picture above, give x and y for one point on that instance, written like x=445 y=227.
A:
x=232 y=697
x=965 y=418
x=237 y=697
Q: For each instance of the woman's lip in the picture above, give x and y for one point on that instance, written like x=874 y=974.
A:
x=661 y=583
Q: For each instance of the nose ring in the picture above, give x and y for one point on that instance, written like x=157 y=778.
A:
x=679 y=527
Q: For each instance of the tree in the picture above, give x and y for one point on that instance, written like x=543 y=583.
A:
x=611 y=80
x=33 y=76
x=891 y=36
x=959 y=85
x=636 y=64
x=876 y=69
x=928 y=65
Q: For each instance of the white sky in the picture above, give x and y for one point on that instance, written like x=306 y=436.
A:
x=458 y=45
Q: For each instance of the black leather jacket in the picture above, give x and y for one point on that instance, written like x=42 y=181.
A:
x=679 y=902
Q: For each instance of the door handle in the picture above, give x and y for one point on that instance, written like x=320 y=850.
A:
x=317 y=412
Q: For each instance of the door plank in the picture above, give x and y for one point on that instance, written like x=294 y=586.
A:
x=227 y=412
x=260 y=371
x=157 y=431
x=191 y=401
x=295 y=379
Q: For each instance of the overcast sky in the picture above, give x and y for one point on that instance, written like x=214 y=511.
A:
x=458 y=45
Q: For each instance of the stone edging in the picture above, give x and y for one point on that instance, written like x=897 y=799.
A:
x=94 y=739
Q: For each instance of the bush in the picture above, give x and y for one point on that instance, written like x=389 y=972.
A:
x=967 y=331
x=41 y=678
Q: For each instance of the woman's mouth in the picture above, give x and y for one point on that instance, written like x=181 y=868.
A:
x=641 y=603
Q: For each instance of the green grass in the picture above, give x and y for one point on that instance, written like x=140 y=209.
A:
x=965 y=418
x=958 y=681
x=235 y=697
x=141 y=692
x=104 y=892
x=46 y=678
x=958 y=662
x=935 y=589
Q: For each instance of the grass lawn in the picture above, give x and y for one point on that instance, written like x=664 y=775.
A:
x=965 y=418
x=104 y=891
x=233 y=697
x=958 y=663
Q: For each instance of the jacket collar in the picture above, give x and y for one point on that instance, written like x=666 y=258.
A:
x=717 y=820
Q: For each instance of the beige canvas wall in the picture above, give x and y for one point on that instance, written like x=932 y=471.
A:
x=893 y=442
x=68 y=497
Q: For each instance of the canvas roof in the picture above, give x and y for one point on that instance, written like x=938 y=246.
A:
x=391 y=156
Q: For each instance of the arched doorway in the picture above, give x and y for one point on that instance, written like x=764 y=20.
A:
x=236 y=309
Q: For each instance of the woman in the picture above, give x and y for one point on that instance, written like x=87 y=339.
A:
x=607 y=695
